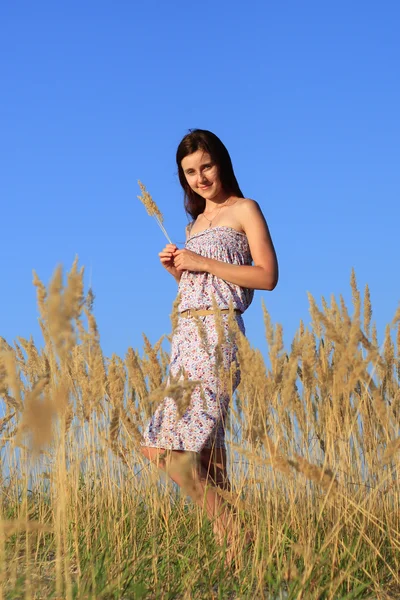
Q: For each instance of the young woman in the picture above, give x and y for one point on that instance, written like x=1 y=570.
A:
x=228 y=254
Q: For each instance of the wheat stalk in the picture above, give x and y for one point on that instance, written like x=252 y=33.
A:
x=152 y=209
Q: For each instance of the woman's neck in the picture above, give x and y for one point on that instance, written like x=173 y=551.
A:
x=212 y=203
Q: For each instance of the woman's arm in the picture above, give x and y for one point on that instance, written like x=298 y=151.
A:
x=263 y=275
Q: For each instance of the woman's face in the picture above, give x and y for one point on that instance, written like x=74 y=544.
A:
x=202 y=174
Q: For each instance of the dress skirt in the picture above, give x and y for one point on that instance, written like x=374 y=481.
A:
x=194 y=350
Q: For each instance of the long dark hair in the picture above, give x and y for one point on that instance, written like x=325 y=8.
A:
x=201 y=139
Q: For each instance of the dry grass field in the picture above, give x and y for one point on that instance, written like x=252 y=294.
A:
x=314 y=451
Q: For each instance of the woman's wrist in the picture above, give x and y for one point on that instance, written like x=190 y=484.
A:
x=205 y=264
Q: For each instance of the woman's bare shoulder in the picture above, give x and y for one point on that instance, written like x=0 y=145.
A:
x=246 y=202
x=246 y=207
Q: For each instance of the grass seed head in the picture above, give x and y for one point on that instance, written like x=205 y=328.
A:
x=149 y=204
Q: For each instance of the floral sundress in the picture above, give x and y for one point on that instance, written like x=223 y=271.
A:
x=203 y=423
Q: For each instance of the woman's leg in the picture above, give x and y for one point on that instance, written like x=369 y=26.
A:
x=207 y=472
x=213 y=464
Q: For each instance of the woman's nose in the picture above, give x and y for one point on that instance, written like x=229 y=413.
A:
x=202 y=178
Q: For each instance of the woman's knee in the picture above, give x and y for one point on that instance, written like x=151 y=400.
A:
x=153 y=454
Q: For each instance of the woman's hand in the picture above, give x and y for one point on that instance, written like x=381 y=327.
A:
x=186 y=260
x=167 y=260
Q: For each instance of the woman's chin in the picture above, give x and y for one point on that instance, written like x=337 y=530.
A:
x=206 y=193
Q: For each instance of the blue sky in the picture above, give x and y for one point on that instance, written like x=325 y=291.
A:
x=305 y=95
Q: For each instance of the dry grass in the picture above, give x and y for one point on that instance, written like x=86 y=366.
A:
x=314 y=448
x=152 y=209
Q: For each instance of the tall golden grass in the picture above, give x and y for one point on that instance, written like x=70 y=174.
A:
x=313 y=440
